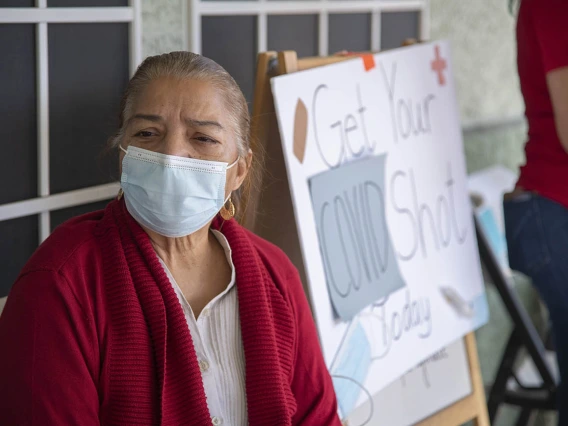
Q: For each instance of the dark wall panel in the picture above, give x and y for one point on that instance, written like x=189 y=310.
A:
x=349 y=32
x=88 y=72
x=398 y=26
x=293 y=32
x=231 y=41
x=16 y=3
x=18 y=120
x=86 y=3
x=60 y=216
x=19 y=239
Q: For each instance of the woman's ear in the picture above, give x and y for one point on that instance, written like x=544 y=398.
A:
x=243 y=168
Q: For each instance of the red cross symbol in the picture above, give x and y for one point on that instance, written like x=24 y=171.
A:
x=439 y=65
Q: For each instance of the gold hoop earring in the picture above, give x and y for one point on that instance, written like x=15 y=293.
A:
x=228 y=213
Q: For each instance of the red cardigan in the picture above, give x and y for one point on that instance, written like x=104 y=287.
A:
x=93 y=333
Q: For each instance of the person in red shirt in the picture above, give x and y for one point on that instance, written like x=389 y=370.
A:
x=130 y=316
x=536 y=212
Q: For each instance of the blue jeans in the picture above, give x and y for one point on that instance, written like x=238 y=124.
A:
x=537 y=240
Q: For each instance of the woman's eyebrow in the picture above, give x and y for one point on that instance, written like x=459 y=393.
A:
x=189 y=121
x=203 y=123
x=147 y=117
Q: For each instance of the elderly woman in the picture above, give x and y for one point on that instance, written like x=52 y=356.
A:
x=162 y=309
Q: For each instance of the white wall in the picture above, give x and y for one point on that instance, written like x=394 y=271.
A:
x=484 y=58
x=162 y=26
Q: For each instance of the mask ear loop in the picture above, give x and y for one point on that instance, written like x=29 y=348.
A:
x=232 y=164
x=228 y=167
x=120 y=191
x=230 y=193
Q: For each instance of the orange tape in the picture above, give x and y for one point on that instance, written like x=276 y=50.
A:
x=368 y=61
x=368 y=58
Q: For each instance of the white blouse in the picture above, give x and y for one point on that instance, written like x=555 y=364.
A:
x=218 y=344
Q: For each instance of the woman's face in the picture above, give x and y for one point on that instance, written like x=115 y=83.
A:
x=185 y=118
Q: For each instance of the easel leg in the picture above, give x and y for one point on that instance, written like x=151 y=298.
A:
x=482 y=420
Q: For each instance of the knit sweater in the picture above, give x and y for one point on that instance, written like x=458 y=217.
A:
x=93 y=333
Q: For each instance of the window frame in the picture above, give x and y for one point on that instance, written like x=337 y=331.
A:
x=195 y=10
x=41 y=16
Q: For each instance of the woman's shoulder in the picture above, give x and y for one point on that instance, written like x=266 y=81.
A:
x=65 y=268
x=73 y=241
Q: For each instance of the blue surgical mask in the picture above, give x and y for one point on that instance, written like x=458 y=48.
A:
x=173 y=196
x=350 y=368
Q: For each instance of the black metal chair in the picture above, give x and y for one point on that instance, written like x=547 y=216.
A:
x=508 y=387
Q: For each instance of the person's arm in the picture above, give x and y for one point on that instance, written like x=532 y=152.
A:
x=311 y=384
x=550 y=21
x=47 y=349
x=557 y=81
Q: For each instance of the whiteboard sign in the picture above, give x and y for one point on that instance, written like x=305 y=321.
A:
x=400 y=106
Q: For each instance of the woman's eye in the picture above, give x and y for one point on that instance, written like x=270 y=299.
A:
x=205 y=139
x=144 y=134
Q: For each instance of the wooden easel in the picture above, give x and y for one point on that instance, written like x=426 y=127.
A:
x=270 y=212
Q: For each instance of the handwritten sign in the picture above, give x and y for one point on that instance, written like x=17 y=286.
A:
x=349 y=208
x=401 y=116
